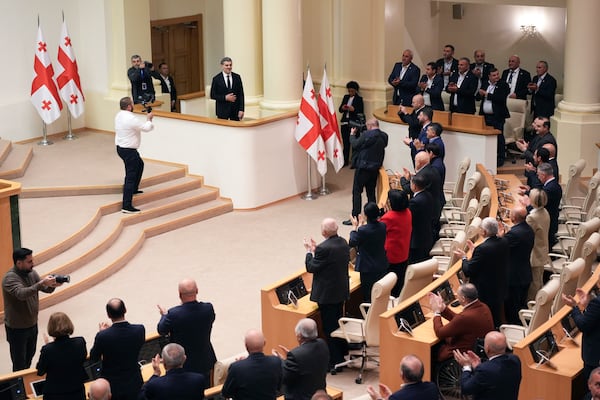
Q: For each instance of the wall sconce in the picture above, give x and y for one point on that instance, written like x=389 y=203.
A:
x=528 y=30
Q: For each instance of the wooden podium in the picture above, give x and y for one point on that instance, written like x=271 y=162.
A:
x=10 y=230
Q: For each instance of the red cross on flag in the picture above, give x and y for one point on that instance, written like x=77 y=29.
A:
x=44 y=94
x=329 y=125
x=67 y=75
x=308 y=126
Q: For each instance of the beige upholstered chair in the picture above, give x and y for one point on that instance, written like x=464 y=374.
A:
x=515 y=125
x=570 y=248
x=473 y=230
x=457 y=220
x=569 y=277
x=222 y=367
x=574 y=214
x=417 y=277
x=366 y=331
x=574 y=192
x=589 y=254
x=454 y=191
x=449 y=246
x=533 y=318
x=462 y=203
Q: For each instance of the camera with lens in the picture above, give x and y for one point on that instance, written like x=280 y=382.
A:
x=147 y=99
x=359 y=123
x=62 y=278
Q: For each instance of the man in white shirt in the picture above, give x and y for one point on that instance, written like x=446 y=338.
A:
x=128 y=131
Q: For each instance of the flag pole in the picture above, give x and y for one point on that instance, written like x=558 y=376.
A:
x=324 y=191
x=45 y=141
x=69 y=135
x=309 y=194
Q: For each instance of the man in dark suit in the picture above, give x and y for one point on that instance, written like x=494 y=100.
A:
x=422 y=209
x=493 y=107
x=418 y=143
x=176 y=383
x=351 y=108
x=167 y=83
x=541 y=126
x=118 y=346
x=542 y=89
x=328 y=262
x=431 y=85
x=257 y=377
x=447 y=65
x=462 y=87
x=498 y=378
x=517 y=78
x=588 y=323
x=228 y=92
x=305 y=367
x=554 y=192
x=190 y=325
x=404 y=78
x=594 y=384
x=410 y=118
x=480 y=68
x=520 y=239
x=413 y=387
x=488 y=267
x=140 y=76
x=463 y=329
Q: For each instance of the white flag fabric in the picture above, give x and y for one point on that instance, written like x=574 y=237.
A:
x=329 y=125
x=44 y=94
x=308 y=126
x=67 y=75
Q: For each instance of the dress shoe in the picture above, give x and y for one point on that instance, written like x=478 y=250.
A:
x=138 y=192
x=130 y=210
x=347 y=222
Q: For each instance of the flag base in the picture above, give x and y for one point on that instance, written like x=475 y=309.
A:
x=309 y=196
x=70 y=136
x=45 y=142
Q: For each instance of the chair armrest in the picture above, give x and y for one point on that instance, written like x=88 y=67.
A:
x=525 y=316
x=346 y=322
x=514 y=334
x=531 y=304
x=364 y=308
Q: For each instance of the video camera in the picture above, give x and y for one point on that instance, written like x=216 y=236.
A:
x=359 y=123
x=62 y=278
x=146 y=100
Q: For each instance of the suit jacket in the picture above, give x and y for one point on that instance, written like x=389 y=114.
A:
x=463 y=329
x=369 y=149
x=465 y=96
x=257 y=377
x=537 y=142
x=520 y=241
x=488 y=270
x=554 y=192
x=190 y=325
x=523 y=79
x=440 y=66
x=329 y=267
x=539 y=220
x=218 y=91
x=305 y=370
x=542 y=100
x=62 y=362
x=407 y=87
x=434 y=187
x=369 y=239
x=498 y=100
x=435 y=91
x=485 y=73
x=175 y=384
x=358 y=105
x=588 y=323
x=141 y=84
x=164 y=88
x=438 y=140
x=496 y=379
x=417 y=391
x=414 y=126
x=422 y=210
x=118 y=347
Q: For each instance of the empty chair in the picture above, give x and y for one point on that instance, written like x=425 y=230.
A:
x=514 y=125
x=366 y=331
x=457 y=220
x=569 y=277
x=462 y=203
x=589 y=254
x=570 y=248
x=449 y=246
x=573 y=190
x=417 y=277
x=454 y=191
x=574 y=213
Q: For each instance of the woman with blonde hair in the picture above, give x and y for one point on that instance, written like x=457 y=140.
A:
x=62 y=361
x=539 y=220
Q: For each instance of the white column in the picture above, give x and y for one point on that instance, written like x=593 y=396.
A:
x=282 y=54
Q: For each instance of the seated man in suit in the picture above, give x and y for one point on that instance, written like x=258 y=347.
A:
x=413 y=387
x=498 y=378
x=177 y=383
x=305 y=367
x=257 y=376
x=463 y=329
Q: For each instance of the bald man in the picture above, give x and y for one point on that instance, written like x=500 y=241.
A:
x=328 y=262
x=404 y=79
x=258 y=376
x=100 y=390
x=413 y=387
x=496 y=379
x=190 y=324
x=517 y=78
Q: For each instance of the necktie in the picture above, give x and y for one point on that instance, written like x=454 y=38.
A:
x=510 y=78
x=228 y=82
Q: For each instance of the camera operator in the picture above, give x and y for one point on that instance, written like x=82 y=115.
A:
x=369 y=149
x=140 y=76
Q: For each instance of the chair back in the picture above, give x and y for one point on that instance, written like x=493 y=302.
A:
x=472 y=187
x=569 y=277
x=417 y=277
x=459 y=242
x=592 y=194
x=473 y=229
x=461 y=174
x=573 y=184
x=380 y=295
x=514 y=125
x=589 y=254
x=543 y=304
x=485 y=198
x=584 y=231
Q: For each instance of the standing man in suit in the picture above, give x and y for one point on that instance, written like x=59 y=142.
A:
x=419 y=142
x=190 y=324
x=542 y=89
x=422 y=210
x=517 y=78
x=463 y=329
x=167 y=83
x=118 y=346
x=462 y=86
x=541 y=126
x=404 y=79
x=177 y=383
x=328 y=262
x=258 y=376
x=480 y=68
x=520 y=239
x=140 y=76
x=498 y=378
x=432 y=85
x=488 y=267
x=412 y=388
x=228 y=92
x=493 y=107
x=305 y=367
x=447 y=65
x=352 y=105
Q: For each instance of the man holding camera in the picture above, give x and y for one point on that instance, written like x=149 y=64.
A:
x=140 y=76
x=20 y=288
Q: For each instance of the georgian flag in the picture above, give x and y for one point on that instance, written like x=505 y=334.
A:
x=44 y=94
x=67 y=75
x=329 y=125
